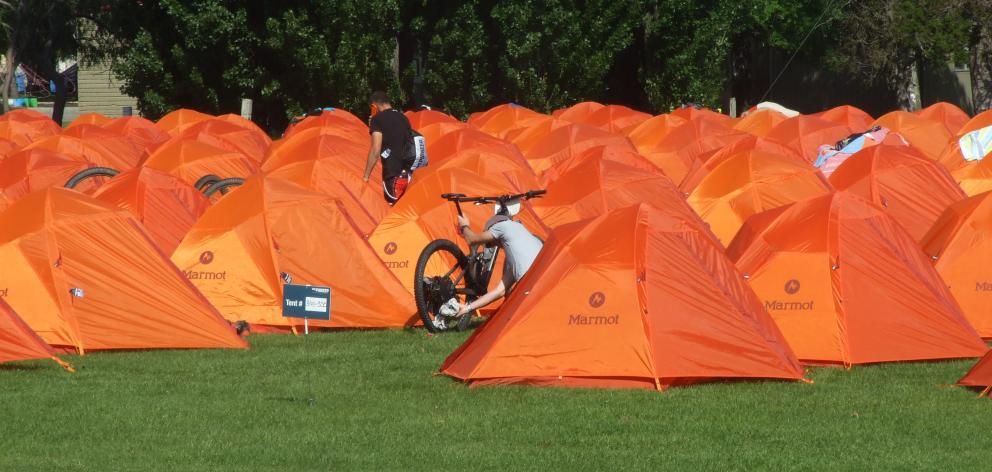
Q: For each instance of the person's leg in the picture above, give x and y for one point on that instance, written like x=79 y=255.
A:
x=387 y=194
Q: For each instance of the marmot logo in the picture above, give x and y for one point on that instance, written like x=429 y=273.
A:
x=206 y=257
x=792 y=287
x=3 y=292
x=597 y=299
x=390 y=249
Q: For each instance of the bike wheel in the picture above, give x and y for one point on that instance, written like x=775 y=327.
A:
x=439 y=277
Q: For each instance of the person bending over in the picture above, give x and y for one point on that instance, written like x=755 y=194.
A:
x=519 y=246
x=389 y=130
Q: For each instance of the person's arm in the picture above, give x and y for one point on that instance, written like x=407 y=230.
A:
x=471 y=237
x=483 y=301
x=375 y=148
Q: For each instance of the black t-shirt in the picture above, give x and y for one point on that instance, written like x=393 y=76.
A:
x=395 y=129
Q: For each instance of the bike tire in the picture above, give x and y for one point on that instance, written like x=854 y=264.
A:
x=206 y=181
x=88 y=173
x=419 y=290
x=222 y=186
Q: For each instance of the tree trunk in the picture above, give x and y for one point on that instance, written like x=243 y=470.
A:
x=981 y=70
x=8 y=77
x=61 y=97
x=907 y=86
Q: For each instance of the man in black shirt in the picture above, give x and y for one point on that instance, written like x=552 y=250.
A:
x=390 y=131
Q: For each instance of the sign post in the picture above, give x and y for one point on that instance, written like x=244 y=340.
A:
x=306 y=301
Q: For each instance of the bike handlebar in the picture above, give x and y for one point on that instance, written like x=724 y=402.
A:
x=461 y=198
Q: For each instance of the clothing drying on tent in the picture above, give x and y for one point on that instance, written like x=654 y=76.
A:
x=176 y=121
x=637 y=298
x=140 y=131
x=911 y=188
x=85 y=276
x=750 y=183
x=963 y=151
x=805 y=134
x=222 y=134
x=190 y=161
x=977 y=144
x=927 y=136
x=165 y=205
x=847 y=285
x=960 y=245
x=19 y=343
x=35 y=169
x=270 y=232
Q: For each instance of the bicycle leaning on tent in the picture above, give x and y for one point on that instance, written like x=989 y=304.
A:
x=446 y=276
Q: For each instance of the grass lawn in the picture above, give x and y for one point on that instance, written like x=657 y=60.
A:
x=378 y=407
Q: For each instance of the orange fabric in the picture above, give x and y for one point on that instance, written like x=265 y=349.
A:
x=141 y=131
x=190 y=160
x=421 y=118
x=927 y=136
x=7 y=147
x=89 y=119
x=235 y=254
x=681 y=148
x=335 y=119
x=597 y=185
x=435 y=131
x=760 y=122
x=114 y=142
x=749 y=183
x=703 y=114
x=496 y=164
x=223 y=134
x=568 y=142
x=911 y=188
x=708 y=161
x=165 y=205
x=332 y=176
x=805 y=134
x=242 y=122
x=464 y=139
x=648 y=134
x=951 y=158
x=614 y=118
x=979 y=121
x=106 y=151
x=24 y=127
x=422 y=216
x=576 y=113
x=18 y=342
x=129 y=295
x=976 y=177
x=503 y=119
x=177 y=121
x=526 y=138
x=960 y=244
x=637 y=298
x=853 y=118
x=980 y=375
x=318 y=143
x=31 y=170
x=846 y=284
x=611 y=152
x=950 y=116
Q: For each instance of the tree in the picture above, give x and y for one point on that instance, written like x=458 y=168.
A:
x=980 y=47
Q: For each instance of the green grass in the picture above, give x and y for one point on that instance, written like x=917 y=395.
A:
x=378 y=407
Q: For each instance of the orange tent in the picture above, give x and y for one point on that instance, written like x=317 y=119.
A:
x=703 y=114
x=19 y=343
x=466 y=138
x=568 y=142
x=614 y=118
x=952 y=158
x=316 y=143
x=422 y=216
x=25 y=126
x=333 y=177
x=111 y=141
x=950 y=116
x=222 y=134
x=707 y=162
x=637 y=298
x=597 y=185
x=243 y=249
x=928 y=136
x=142 y=132
x=960 y=244
x=435 y=131
x=912 y=189
x=846 y=284
x=165 y=205
x=526 y=138
x=176 y=121
x=494 y=164
x=805 y=134
x=611 y=152
x=760 y=122
x=191 y=160
x=855 y=119
x=89 y=119
x=421 y=118
x=648 y=134
x=502 y=119
x=7 y=147
x=85 y=275
x=749 y=183
x=980 y=375
x=334 y=118
x=31 y=170
x=242 y=122
x=576 y=113
x=682 y=148
x=111 y=152
x=975 y=178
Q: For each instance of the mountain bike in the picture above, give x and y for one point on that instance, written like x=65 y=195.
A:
x=445 y=273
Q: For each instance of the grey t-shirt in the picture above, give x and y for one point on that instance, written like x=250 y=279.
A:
x=521 y=248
